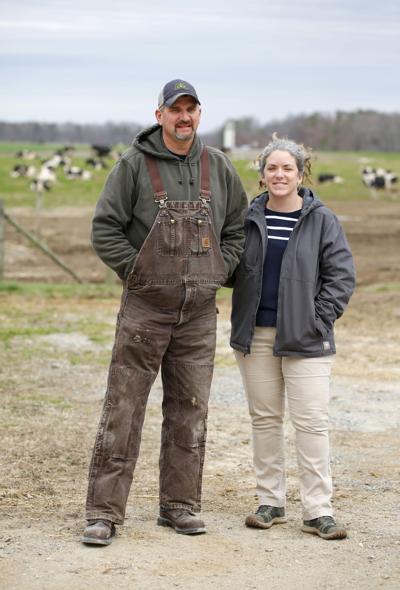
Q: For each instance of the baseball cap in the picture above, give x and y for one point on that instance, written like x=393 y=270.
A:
x=174 y=90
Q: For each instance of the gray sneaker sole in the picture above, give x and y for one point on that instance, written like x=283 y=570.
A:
x=194 y=531
x=253 y=521
x=338 y=534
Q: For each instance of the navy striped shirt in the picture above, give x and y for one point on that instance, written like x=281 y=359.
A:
x=279 y=228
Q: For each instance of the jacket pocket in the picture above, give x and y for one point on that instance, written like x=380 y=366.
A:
x=252 y=250
x=320 y=327
x=298 y=329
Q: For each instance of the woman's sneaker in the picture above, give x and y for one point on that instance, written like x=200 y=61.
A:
x=325 y=527
x=265 y=517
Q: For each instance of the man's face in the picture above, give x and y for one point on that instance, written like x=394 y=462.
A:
x=180 y=120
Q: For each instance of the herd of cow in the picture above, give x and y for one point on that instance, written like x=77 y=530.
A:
x=372 y=178
x=43 y=176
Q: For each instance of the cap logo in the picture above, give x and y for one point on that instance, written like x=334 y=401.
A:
x=180 y=86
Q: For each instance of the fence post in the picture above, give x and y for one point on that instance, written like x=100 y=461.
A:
x=2 y=231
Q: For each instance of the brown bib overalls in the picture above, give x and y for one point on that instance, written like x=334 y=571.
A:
x=167 y=318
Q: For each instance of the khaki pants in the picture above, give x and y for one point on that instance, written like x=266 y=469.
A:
x=306 y=382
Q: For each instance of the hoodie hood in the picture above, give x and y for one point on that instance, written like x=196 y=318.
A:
x=310 y=201
x=150 y=141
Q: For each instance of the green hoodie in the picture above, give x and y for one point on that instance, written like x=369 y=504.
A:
x=126 y=209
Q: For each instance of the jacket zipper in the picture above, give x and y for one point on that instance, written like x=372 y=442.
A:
x=253 y=323
x=295 y=229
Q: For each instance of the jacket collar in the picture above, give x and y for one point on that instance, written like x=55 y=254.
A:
x=310 y=202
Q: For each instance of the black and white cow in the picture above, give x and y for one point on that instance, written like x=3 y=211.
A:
x=66 y=150
x=75 y=173
x=46 y=174
x=40 y=186
x=102 y=151
x=57 y=160
x=329 y=177
x=378 y=178
x=26 y=154
x=23 y=171
x=96 y=163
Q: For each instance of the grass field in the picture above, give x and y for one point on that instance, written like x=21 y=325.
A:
x=16 y=193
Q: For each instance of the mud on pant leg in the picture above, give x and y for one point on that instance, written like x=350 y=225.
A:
x=187 y=371
x=136 y=357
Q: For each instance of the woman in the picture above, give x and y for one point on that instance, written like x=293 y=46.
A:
x=295 y=279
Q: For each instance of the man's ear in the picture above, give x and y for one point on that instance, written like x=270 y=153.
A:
x=158 y=116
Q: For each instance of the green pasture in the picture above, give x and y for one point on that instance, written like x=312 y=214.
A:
x=16 y=192
x=64 y=193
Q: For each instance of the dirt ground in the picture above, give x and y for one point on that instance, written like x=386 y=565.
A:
x=50 y=409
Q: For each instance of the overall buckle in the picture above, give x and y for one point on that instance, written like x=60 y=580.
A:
x=160 y=198
x=205 y=196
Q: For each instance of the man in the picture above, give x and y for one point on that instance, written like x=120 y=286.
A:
x=170 y=223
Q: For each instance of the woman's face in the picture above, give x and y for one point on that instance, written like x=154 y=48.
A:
x=281 y=175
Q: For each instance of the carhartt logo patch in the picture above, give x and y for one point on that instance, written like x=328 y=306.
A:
x=205 y=242
x=180 y=86
x=327 y=345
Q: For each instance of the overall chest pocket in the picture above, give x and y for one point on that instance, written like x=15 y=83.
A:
x=170 y=235
x=200 y=235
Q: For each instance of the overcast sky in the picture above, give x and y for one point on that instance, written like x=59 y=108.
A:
x=106 y=60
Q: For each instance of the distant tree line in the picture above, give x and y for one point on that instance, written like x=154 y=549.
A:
x=34 y=132
x=357 y=130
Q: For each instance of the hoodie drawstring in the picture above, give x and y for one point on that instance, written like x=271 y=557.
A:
x=189 y=165
x=180 y=179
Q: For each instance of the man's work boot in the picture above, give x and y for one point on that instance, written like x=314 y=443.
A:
x=98 y=532
x=183 y=521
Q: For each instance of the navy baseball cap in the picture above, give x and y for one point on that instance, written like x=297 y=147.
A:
x=174 y=90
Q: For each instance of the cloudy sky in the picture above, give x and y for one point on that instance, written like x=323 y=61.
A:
x=106 y=60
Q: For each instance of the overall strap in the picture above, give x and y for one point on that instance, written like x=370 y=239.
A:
x=160 y=195
x=205 y=192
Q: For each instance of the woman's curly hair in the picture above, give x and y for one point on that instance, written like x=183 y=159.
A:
x=300 y=153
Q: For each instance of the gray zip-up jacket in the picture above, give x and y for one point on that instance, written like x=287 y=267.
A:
x=316 y=281
x=126 y=209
